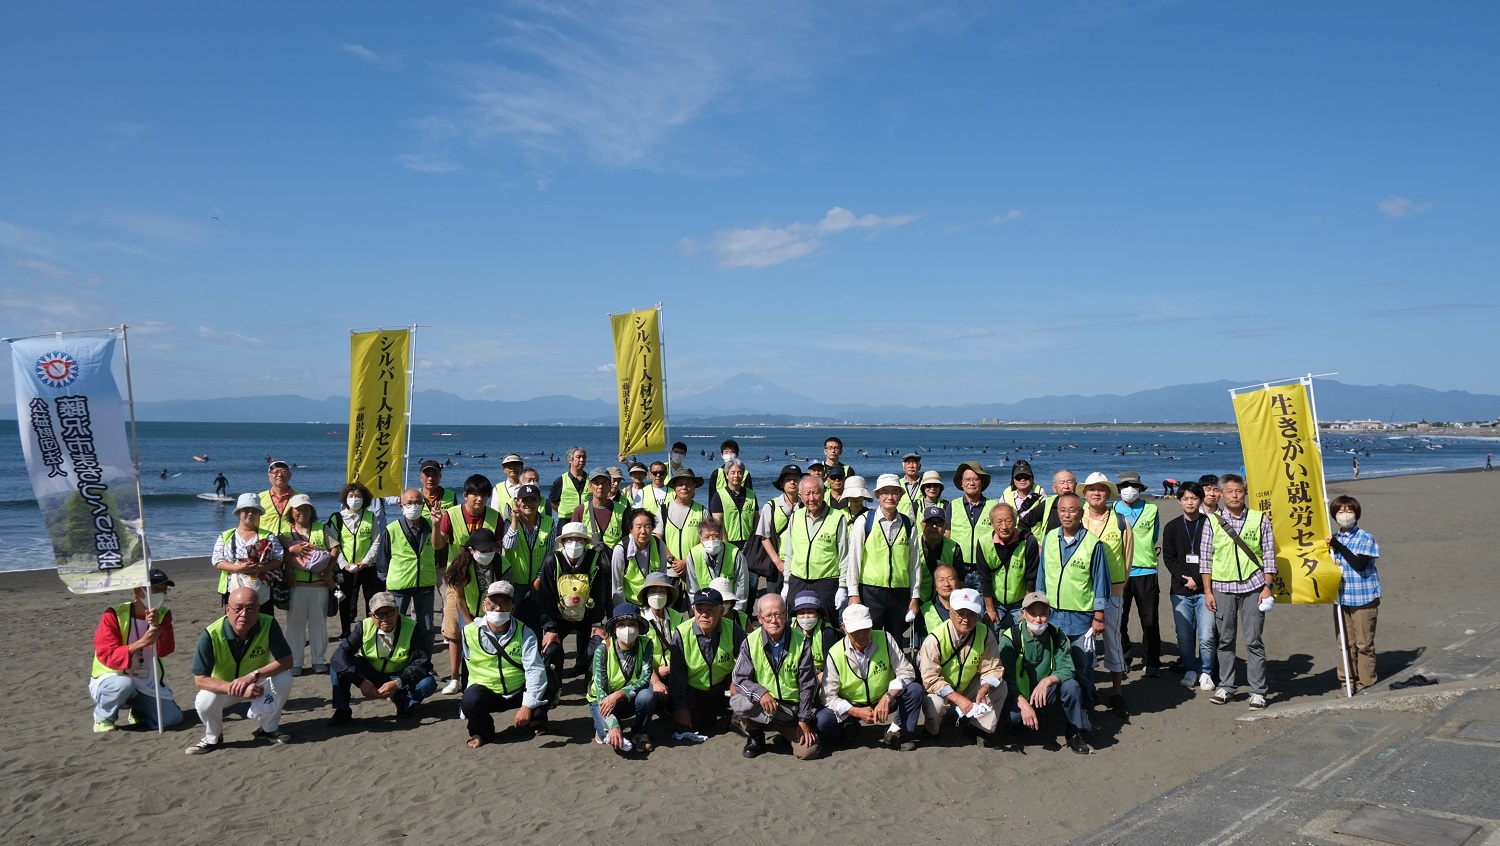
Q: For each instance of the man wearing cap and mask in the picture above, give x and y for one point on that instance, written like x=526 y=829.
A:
x=815 y=548
x=128 y=673
x=775 y=517
x=961 y=669
x=241 y=656
x=602 y=518
x=1007 y=566
x=911 y=485
x=527 y=541
x=680 y=518
x=812 y=633
x=1043 y=673
x=465 y=580
x=1074 y=574
x=619 y=685
x=505 y=670
x=503 y=498
x=275 y=501
x=571 y=488
x=868 y=681
x=386 y=655
x=733 y=503
x=248 y=551
x=701 y=653
x=714 y=558
x=775 y=685
x=969 y=514
x=412 y=573
x=886 y=547
x=572 y=598
x=1115 y=538
x=1142 y=589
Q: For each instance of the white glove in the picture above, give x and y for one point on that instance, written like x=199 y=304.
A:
x=979 y=710
x=840 y=597
x=784 y=589
x=910 y=615
x=1267 y=604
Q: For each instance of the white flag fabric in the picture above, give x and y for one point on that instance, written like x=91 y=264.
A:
x=73 y=436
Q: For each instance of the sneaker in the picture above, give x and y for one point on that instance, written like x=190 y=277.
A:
x=277 y=736
x=341 y=717
x=102 y=726
x=899 y=740
x=1205 y=681
x=129 y=718
x=451 y=687
x=689 y=737
x=1257 y=702
x=1189 y=678
x=202 y=747
x=1222 y=696
x=320 y=670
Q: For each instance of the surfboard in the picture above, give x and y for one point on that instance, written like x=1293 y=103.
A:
x=216 y=497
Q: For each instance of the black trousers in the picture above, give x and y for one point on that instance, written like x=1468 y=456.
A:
x=888 y=607
x=583 y=655
x=480 y=705
x=1144 y=592
x=350 y=608
x=824 y=588
x=705 y=707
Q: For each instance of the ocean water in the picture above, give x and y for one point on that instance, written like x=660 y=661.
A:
x=179 y=524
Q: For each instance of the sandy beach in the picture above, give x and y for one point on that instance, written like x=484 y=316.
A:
x=374 y=782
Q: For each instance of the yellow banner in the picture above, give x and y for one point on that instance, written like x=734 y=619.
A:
x=643 y=393
x=377 y=409
x=1284 y=476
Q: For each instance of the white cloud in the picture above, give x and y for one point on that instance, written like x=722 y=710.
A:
x=1009 y=217
x=28 y=240
x=208 y=334
x=1398 y=207
x=389 y=60
x=51 y=271
x=764 y=245
x=427 y=163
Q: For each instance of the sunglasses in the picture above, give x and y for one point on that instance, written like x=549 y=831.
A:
x=1024 y=477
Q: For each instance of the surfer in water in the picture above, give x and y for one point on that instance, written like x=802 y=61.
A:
x=221 y=484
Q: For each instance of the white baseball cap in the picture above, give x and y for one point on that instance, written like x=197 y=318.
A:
x=966 y=599
x=857 y=618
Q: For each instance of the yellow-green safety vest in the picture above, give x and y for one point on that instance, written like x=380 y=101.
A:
x=353 y=547
x=610 y=535
x=460 y=526
x=959 y=673
x=122 y=619
x=228 y=538
x=524 y=562
x=864 y=690
x=782 y=683
x=698 y=560
x=257 y=653
x=631 y=573
x=400 y=651
x=968 y=535
x=1069 y=584
x=571 y=496
x=501 y=672
x=680 y=540
x=1143 y=533
x=273 y=521
x=813 y=557
x=409 y=568
x=316 y=537
x=615 y=674
x=881 y=562
x=739 y=522
x=1113 y=540
x=1007 y=578
x=1229 y=561
x=701 y=674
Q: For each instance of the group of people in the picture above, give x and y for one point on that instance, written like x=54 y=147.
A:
x=832 y=606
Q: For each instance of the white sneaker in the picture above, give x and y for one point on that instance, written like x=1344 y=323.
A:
x=1205 y=682
x=1257 y=702
x=1189 y=678
x=451 y=687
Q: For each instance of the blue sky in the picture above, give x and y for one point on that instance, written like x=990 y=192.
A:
x=925 y=202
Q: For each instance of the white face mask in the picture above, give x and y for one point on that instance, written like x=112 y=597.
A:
x=1129 y=495
x=626 y=635
x=497 y=618
x=1036 y=628
x=355 y=503
x=573 y=549
x=713 y=547
x=807 y=624
x=677 y=457
x=657 y=600
x=1345 y=519
x=484 y=558
x=411 y=512
x=729 y=455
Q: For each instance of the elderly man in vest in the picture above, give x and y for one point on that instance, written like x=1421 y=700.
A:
x=1074 y=574
x=1114 y=536
x=412 y=574
x=387 y=656
x=815 y=548
x=505 y=669
x=571 y=488
x=775 y=684
x=242 y=656
x=1007 y=567
x=127 y=643
x=887 y=549
x=701 y=653
x=1043 y=675
x=276 y=500
x=961 y=669
x=1238 y=563
x=868 y=681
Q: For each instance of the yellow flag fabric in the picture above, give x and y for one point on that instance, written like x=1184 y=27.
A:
x=377 y=409
x=1284 y=475
x=643 y=397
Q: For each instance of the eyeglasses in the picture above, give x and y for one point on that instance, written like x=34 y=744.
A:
x=777 y=615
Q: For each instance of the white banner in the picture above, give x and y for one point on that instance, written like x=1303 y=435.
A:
x=73 y=435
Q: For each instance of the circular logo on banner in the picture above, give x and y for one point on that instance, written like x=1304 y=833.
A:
x=57 y=369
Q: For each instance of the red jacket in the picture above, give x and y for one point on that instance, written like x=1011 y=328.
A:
x=111 y=650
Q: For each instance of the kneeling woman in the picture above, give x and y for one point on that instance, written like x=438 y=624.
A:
x=620 y=686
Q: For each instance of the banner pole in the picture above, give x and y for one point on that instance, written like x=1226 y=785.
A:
x=1338 y=607
x=155 y=664
x=411 y=393
x=135 y=450
x=666 y=423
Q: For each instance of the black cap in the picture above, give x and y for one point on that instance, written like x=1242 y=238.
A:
x=429 y=464
x=934 y=512
x=159 y=578
x=835 y=471
x=708 y=596
x=1021 y=467
x=526 y=491
x=482 y=540
x=789 y=471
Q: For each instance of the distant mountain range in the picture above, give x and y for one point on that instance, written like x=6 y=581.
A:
x=749 y=399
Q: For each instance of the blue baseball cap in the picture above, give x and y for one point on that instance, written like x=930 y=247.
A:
x=806 y=601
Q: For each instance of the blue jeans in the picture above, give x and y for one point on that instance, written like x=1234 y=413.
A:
x=423 y=599
x=1083 y=671
x=907 y=709
x=1194 y=626
x=643 y=709
x=1007 y=616
x=1068 y=695
x=409 y=697
x=113 y=693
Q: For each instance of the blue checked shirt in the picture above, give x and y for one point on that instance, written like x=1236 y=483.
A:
x=1358 y=588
